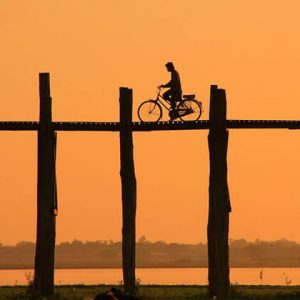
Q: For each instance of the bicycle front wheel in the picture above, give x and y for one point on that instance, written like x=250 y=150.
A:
x=150 y=111
x=190 y=110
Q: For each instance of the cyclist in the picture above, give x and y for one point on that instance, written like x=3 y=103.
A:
x=174 y=93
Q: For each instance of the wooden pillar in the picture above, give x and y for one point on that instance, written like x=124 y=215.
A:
x=128 y=190
x=45 y=238
x=219 y=201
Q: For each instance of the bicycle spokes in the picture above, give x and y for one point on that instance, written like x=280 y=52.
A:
x=150 y=111
x=189 y=110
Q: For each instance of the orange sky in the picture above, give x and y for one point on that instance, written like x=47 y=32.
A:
x=91 y=48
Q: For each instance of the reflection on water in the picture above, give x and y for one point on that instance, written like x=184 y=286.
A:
x=271 y=276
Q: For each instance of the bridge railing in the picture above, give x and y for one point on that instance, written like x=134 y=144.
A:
x=150 y=126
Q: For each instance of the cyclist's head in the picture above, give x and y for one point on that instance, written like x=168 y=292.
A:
x=170 y=66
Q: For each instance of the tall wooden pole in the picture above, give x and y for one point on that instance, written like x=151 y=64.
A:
x=219 y=201
x=45 y=238
x=128 y=190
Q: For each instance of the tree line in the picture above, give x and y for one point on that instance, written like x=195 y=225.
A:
x=108 y=254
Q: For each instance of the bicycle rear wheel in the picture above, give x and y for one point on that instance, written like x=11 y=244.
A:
x=190 y=110
x=150 y=111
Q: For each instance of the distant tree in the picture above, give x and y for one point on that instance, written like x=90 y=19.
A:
x=143 y=240
x=241 y=243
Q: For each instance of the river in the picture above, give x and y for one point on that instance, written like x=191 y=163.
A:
x=162 y=276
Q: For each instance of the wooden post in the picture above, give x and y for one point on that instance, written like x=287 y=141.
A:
x=128 y=190
x=55 y=206
x=45 y=238
x=219 y=201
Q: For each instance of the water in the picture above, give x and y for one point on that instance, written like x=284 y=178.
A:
x=163 y=276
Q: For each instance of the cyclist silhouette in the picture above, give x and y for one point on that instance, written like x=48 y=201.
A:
x=174 y=94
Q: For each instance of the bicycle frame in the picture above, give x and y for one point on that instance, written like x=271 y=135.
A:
x=188 y=105
x=167 y=106
x=161 y=100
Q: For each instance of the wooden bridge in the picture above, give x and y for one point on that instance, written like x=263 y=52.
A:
x=219 y=199
x=151 y=126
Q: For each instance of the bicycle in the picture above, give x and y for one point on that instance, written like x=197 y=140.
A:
x=187 y=109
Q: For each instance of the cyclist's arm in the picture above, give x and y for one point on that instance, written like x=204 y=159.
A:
x=169 y=84
x=174 y=79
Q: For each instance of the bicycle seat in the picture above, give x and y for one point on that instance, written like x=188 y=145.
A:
x=188 y=96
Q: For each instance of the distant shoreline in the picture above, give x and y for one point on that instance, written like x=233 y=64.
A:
x=154 y=255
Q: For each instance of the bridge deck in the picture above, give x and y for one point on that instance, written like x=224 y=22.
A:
x=150 y=126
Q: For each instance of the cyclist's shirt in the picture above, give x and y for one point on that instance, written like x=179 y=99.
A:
x=174 y=83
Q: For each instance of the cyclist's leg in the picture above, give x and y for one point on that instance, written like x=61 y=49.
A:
x=167 y=95
x=176 y=98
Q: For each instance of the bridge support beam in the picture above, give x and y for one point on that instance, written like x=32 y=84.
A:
x=46 y=195
x=219 y=201
x=128 y=190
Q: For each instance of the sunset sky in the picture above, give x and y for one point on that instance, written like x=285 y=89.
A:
x=251 y=48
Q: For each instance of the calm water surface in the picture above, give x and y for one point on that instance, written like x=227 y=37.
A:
x=272 y=276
